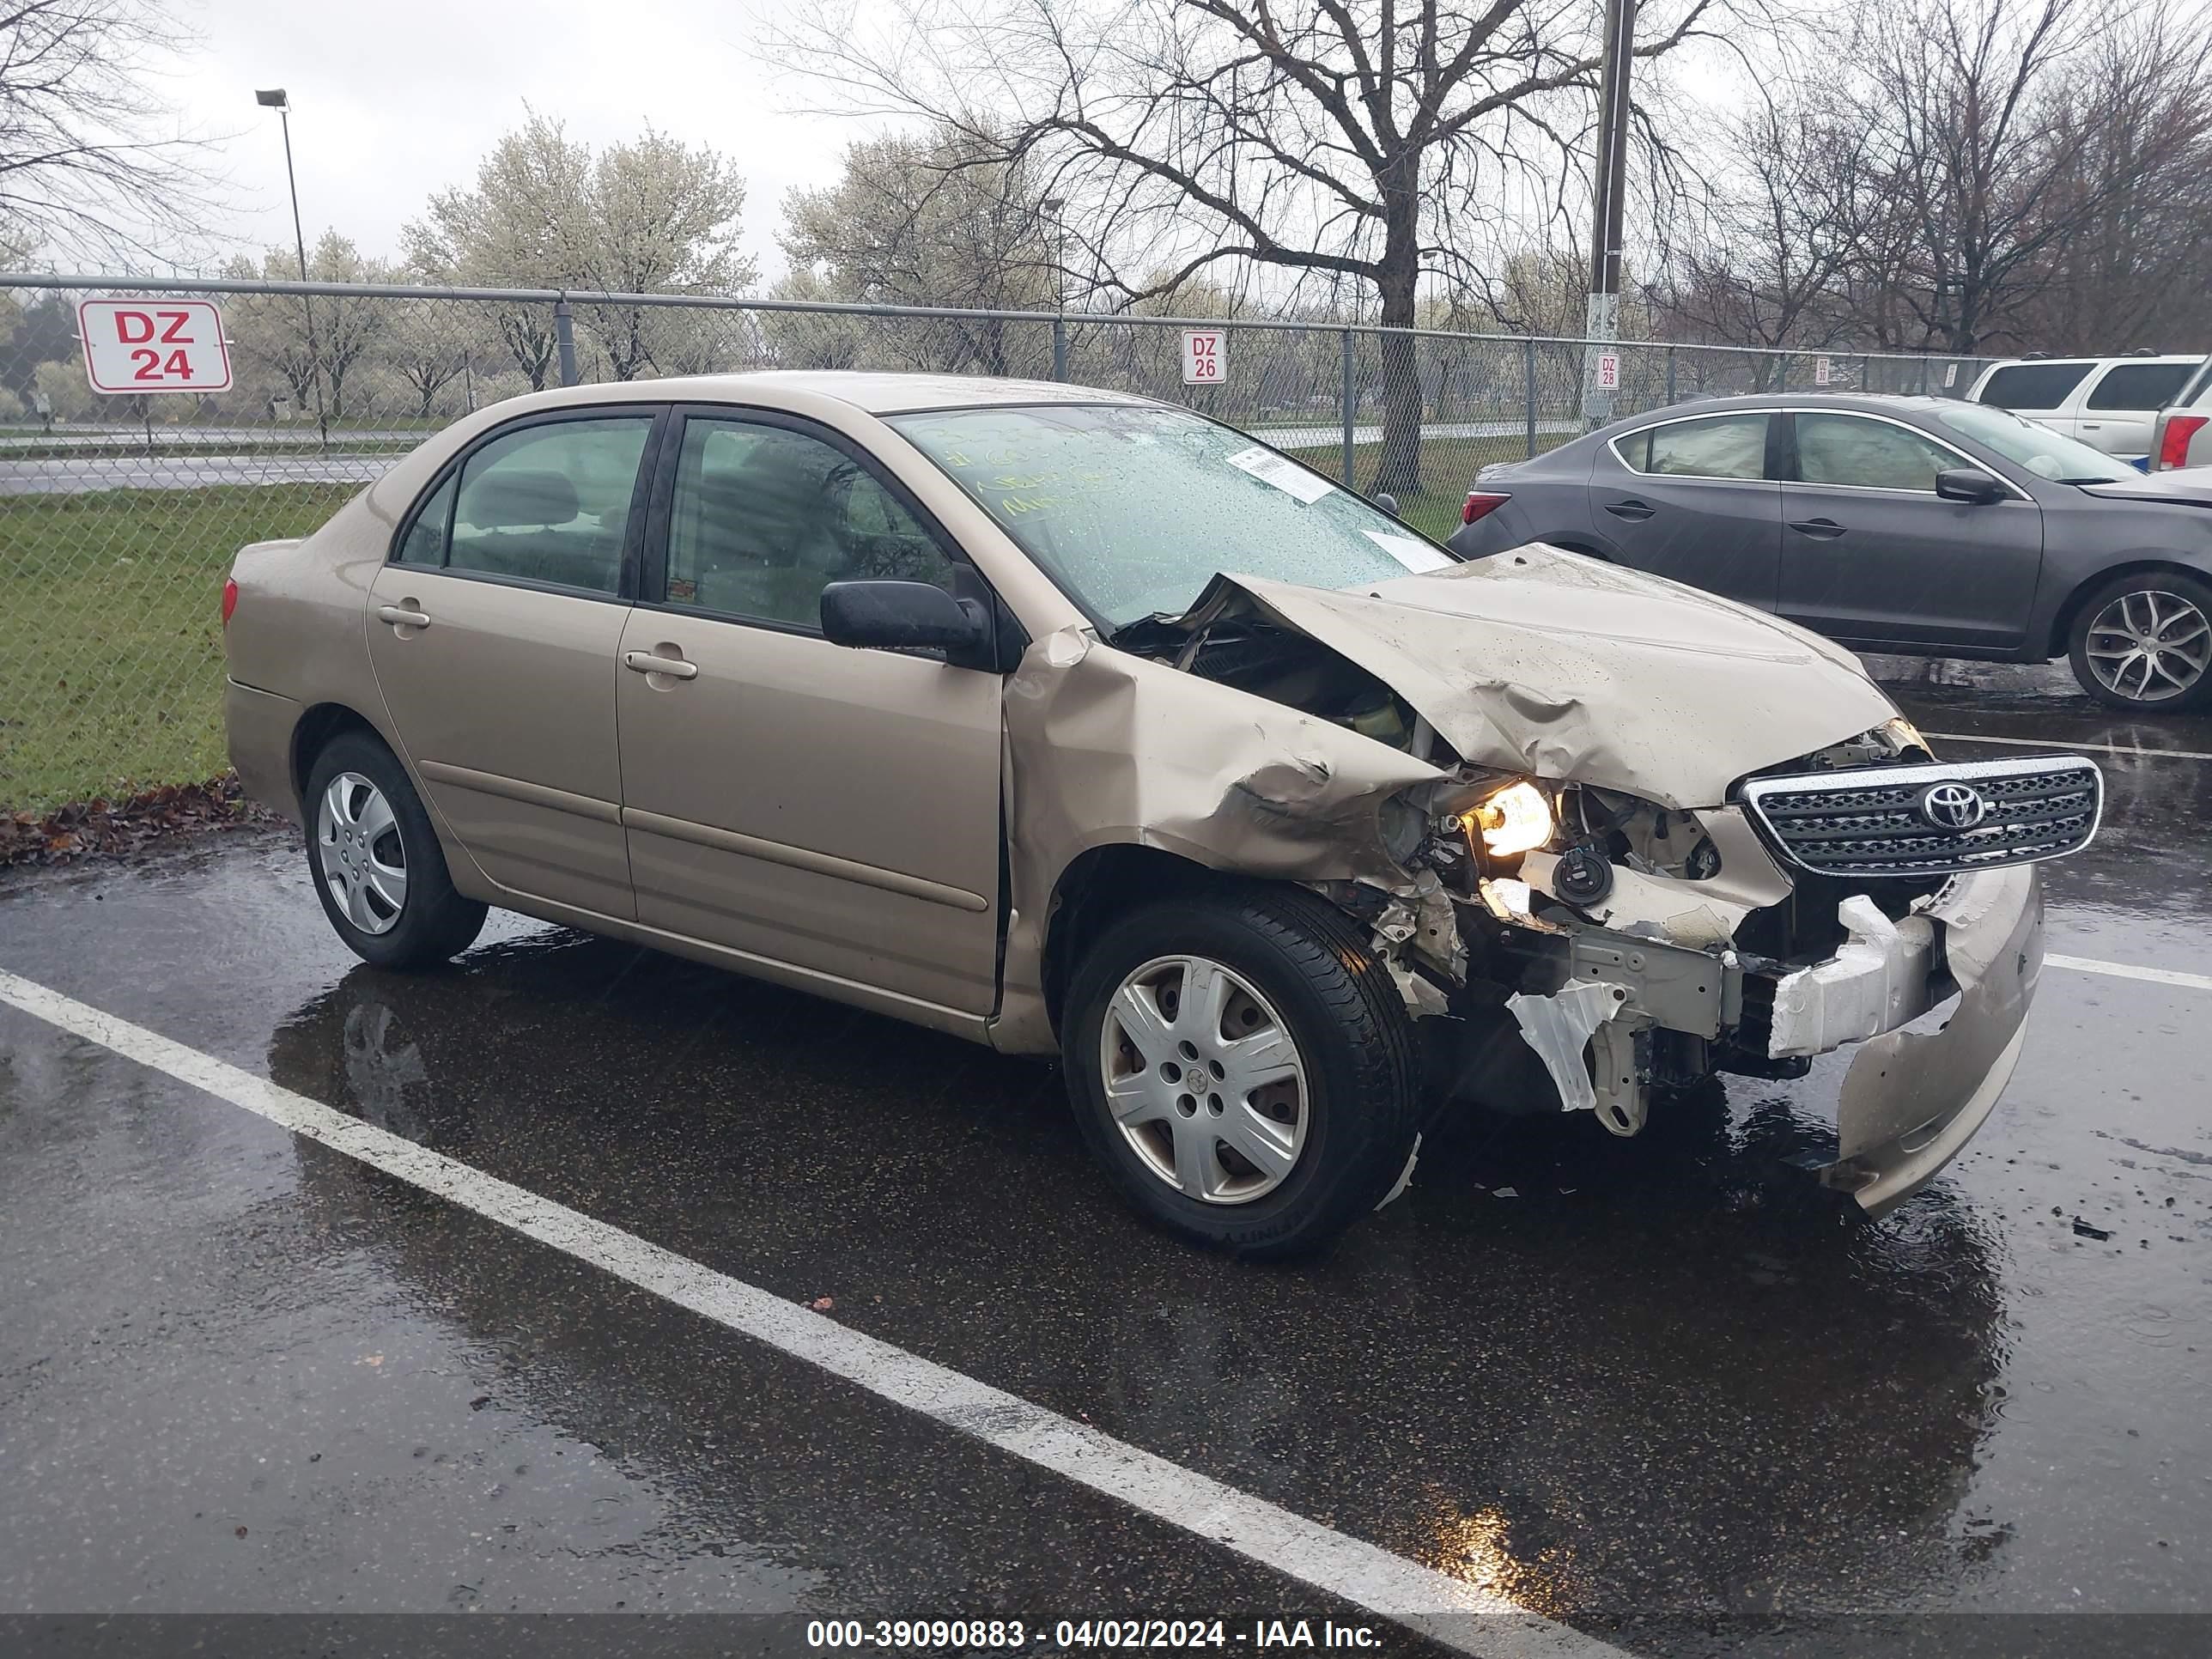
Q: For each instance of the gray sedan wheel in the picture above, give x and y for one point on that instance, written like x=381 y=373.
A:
x=2145 y=642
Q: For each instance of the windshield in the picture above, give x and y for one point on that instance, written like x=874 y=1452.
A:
x=1133 y=510
x=2047 y=453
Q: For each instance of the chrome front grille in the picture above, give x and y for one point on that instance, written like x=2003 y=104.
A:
x=1930 y=820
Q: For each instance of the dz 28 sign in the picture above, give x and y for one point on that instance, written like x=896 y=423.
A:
x=154 y=345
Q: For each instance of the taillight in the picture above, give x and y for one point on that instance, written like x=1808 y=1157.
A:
x=229 y=599
x=2174 y=433
x=1480 y=504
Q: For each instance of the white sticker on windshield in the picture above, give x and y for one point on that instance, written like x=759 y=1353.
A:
x=1414 y=554
x=1280 y=470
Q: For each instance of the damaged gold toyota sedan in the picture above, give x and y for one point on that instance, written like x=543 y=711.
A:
x=1071 y=722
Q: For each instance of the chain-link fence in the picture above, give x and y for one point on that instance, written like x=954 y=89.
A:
x=119 y=511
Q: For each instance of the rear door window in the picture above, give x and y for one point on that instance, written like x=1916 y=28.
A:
x=1719 y=446
x=2138 y=385
x=2033 y=385
x=551 y=502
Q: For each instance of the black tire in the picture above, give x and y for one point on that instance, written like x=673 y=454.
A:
x=2169 y=584
x=433 y=922
x=1363 y=1106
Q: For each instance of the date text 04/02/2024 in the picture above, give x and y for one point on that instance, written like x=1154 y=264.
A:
x=1085 y=1633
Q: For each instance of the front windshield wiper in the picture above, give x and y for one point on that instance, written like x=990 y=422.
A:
x=2120 y=477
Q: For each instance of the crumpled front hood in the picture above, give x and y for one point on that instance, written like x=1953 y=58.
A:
x=1571 y=669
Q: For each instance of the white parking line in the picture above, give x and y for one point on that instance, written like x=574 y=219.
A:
x=2068 y=742
x=1385 y=1584
x=2128 y=970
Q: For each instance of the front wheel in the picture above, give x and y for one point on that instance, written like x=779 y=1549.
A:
x=376 y=862
x=1243 y=1068
x=2143 y=642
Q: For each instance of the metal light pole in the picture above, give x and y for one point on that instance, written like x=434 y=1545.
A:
x=1610 y=205
x=274 y=98
x=1054 y=207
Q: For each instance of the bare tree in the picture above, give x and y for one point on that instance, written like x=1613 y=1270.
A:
x=1354 y=145
x=85 y=167
x=653 y=215
x=279 y=332
x=936 y=220
x=1971 y=156
x=1779 y=231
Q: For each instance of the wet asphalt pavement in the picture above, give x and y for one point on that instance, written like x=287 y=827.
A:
x=1656 y=1390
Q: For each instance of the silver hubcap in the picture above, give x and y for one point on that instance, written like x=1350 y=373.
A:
x=1204 y=1079
x=357 y=843
x=2149 y=646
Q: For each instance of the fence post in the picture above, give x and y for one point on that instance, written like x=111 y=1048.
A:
x=1866 y=371
x=1351 y=406
x=1923 y=375
x=1060 y=348
x=564 y=335
x=1529 y=393
x=1670 y=375
x=1782 y=371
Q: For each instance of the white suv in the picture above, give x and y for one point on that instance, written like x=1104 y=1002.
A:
x=2183 y=436
x=2110 y=403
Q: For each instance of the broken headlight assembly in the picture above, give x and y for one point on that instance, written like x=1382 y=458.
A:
x=1510 y=822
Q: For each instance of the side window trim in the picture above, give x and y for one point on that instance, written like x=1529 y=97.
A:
x=627 y=581
x=660 y=516
x=1792 y=472
x=1767 y=467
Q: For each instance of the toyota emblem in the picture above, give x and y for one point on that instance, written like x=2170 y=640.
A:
x=1952 y=806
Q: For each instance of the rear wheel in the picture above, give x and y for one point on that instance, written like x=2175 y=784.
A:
x=1243 y=1068
x=2144 y=641
x=377 y=866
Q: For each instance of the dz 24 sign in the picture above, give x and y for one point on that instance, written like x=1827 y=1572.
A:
x=154 y=345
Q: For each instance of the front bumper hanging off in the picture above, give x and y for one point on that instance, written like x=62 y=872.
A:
x=1936 y=1002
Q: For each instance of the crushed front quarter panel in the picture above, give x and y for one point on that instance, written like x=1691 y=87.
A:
x=1106 y=748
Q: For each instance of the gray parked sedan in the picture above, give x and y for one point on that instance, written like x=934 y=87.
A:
x=1922 y=526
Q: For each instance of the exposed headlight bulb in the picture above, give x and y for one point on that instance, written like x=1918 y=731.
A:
x=1516 y=819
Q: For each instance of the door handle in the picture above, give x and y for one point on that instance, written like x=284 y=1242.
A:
x=674 y=667
x=401 y=617
x=1819 y=529
x=2093 y=426
x=1630 y=509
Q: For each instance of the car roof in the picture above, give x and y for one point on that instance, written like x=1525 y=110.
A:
x=1867 y=403
x=876 y=393
x=2069 y=362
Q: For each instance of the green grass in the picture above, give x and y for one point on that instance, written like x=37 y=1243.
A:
x=1447 y=469
x=111 y=680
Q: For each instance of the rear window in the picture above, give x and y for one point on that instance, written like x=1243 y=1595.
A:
x=2033 y=385
x=2139 y=386
x=1720 y=447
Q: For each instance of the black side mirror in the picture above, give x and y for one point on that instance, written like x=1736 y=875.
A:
x=1969 y=484
x=1389 y=503
x=894 y=615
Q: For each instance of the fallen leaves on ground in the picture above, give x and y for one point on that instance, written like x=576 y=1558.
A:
x=105 y=829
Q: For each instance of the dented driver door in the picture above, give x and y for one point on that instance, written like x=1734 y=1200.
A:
x=795 y=801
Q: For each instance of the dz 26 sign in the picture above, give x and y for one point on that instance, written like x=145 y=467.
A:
x=154 y=345
x=1205 y=355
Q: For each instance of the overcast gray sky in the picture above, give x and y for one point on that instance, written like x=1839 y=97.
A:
x=392 y=101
